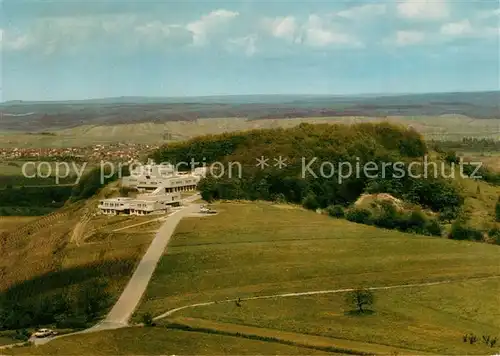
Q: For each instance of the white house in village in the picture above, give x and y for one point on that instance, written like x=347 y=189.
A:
x=162 y=184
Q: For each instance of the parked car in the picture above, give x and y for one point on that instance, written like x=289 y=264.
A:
x=40 y=333
x=206 y=210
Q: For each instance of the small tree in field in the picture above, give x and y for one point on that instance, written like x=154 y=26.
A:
x=147 y=319
x=360 y=299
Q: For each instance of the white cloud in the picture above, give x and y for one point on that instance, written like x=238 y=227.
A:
x=423 y=9
x=282 y=27
x=157 y=33
x=486 y=14
x=363 y=11
x=466 y=29
x=13 y=41
x=407 y=38
x=209 y=23
x=318 y=33
x=51 y=34
x=459 y=28
x=153 y=29
x=246 y=44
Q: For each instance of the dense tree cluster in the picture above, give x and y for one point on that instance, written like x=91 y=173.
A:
x=306 y=148
x=35 y=196
x=411 y=221
x=470 y=144
x=94 y=180
x=63 y=308
x=32 y=200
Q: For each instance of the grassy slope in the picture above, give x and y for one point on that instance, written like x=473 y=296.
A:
x=159 y=341
x=49 y=251
x=53 y=256
x=478 y=207
x=431 y=319
x=12 y=222
x=268 y=249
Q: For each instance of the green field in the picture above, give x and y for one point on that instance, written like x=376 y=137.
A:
x=272 y=249
x=159 y=341
x=431 y=319
x=446 y=127
x=13 y=174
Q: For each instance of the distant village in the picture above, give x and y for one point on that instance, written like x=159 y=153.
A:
x=95 y=153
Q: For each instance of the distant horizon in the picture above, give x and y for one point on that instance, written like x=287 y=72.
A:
x=214 y=96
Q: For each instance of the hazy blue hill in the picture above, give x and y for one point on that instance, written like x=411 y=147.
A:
x=111 y=111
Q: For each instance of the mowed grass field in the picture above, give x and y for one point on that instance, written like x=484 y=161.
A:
x=429 y=319
x=159 y=341
x=255 y=249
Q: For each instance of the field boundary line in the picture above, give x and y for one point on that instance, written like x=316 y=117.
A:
x=317 y=292
x=311 y=341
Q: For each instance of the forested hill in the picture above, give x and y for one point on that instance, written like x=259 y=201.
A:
x=327 y=146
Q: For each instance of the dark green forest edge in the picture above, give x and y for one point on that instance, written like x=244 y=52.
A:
x=41 y=200
x=435 y=201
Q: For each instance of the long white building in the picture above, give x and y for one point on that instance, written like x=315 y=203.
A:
x=161 y=187
x=151 y=176
x=158 y=202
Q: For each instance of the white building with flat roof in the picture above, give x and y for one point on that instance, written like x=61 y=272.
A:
x=150 y=176
x=158 y=202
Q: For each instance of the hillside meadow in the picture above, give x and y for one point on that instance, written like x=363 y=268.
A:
x=271 y=249
x=159 y=341
x=54 y=264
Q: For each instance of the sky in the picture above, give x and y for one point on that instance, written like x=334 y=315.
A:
x=67 y=49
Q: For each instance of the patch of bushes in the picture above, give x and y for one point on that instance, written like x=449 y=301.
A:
x=390 y=218
x=147 y=319
x=360 y=216
x=94 y=180
x=434 y=228
x=472 y=339
x=436 y=194
x=31 y=197
x=310 y=202
x=494 y=235
x=68 y=298
x=64 y=308
x=336 y=211
x=25 y=210
x=461 y=232
x=448 y=215
x=451 y=157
